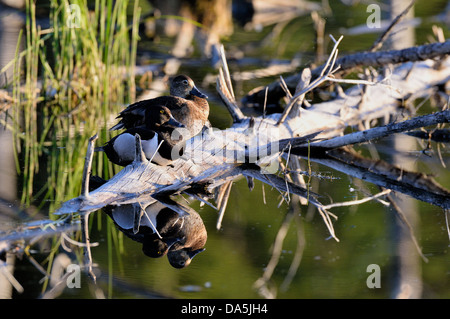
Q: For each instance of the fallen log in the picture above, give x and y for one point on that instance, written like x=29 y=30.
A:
x=251 y=147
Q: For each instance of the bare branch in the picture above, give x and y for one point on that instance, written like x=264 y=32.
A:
x=228 y=98
x=379 y=42
x=361 y=59
x=296 y=102
x=88 y=166
x=382 y=131
x=401 y=215
x=357 y=202
x=305 y=79
x=225 y=89
x=385 y=175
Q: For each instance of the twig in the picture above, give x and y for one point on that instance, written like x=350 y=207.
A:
x=294 y=163
x=139 y=155
x=88 y=166
x=226 y=71
x=58 y=287
x=379 y=42
x=447 y=221
x=388 y=176
x=405 y=221
x=64 y=237
x=204 y=201
x=282 y=186
x=276 y=251
x=284 y=87
x=382 y=131
x=327 y=220
x=223 y=203
x=362 y=59
x=225 y=89
x=306 y=76
x=151 y=159
x=228 y=99
x=319 y=26
x=137 y=209
x=265 y=104
x=413 y=54
x=328 y=66
x=299 y=250
x=151 y=223
x=357 y=202
x=350 y=81
x=85 y=217
x=10 y=277
x=37 y=266
x=87 y=249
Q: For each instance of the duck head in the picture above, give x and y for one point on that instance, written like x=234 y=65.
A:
x=183 y=86
x=182 y=258
x=160 y=115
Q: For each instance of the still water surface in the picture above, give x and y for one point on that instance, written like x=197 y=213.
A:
x=237 y=254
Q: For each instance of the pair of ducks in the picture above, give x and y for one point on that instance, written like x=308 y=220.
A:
x=163 y=123
x=156 y=121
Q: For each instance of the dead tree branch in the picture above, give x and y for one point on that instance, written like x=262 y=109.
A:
x=251 y=147
x=381 y=131
x=385 y=175
x=379 y=42
x=362 y=59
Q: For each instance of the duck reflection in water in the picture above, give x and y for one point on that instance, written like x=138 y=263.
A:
x=163 y=231
x=168 y=229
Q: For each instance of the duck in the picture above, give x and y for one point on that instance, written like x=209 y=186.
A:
x=159 y=229
x=161 y=143
x=180 y=234
x=193 y=239
x=163 y=231
x=188 y=105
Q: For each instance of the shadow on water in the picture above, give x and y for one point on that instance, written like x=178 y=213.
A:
x=262 y=239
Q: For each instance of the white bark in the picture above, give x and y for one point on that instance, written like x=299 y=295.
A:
x=215 y=158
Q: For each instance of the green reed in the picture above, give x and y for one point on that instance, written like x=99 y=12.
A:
x=68 y=84
x=77 y=75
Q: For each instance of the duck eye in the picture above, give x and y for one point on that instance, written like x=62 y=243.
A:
x=162 y=111
x=185 y=82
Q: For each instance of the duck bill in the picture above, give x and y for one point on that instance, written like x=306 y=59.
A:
x=196 y=92
x=174 y=122
x=192 y=254
x=171 y=241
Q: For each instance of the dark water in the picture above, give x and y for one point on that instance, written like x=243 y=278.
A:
x=237 y=254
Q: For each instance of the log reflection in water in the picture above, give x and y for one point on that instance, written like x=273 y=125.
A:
x=163 y=226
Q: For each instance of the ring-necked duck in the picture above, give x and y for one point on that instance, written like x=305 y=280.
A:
x=159 y=141
x=180 y=237
x=184 y=250
x=187 y=104
x=167 y=222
